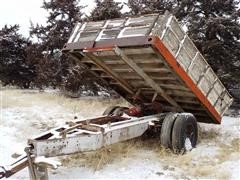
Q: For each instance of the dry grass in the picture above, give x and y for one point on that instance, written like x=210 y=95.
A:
x=208 y=134
x=98 y=159
x=209 y=172
x=117 y=152
x=87 y=107
x=205 y=166
x=227 y=150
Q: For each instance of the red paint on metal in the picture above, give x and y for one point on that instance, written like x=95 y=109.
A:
x=158 y=44
x=110 y=48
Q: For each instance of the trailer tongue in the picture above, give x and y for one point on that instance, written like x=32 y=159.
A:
x=151 y=62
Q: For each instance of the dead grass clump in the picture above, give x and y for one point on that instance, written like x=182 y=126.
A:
x=209 y=172
x=184 y=160
x=99 y=158
x=207 y=134
x=226 y=150
x=202 y=168
x=203 y=171
x=235 y=144
x=116 y=152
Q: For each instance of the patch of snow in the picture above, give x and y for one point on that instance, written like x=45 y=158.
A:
x=20 y=122
x=188 y=144
x=47 y=161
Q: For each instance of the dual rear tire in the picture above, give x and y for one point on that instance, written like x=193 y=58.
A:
x=179 y=132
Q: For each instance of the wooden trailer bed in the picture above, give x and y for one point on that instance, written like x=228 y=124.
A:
x=152 y=58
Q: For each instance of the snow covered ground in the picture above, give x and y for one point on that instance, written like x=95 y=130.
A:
x=25 y=113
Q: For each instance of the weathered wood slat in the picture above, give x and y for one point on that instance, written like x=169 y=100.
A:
x=139 y=78
x=193 y=108
x=123 y=83
x=136 y=57
x=123 y=70
x=128 y=51
x=147 y=78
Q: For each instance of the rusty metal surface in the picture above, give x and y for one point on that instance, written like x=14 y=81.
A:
x=90 y=136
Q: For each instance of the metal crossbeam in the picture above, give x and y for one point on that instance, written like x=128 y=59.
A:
x=149 y=81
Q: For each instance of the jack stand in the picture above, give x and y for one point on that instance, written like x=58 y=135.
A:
x=41 y=172
x=36 y=171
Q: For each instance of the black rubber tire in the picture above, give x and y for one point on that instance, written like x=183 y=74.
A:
x=166 y=130
x=185 y=126
x=109 y=110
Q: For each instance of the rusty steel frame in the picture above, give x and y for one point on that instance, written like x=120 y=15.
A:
x=88 y=136
x=80 y=136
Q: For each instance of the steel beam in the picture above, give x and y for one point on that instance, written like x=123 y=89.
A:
x=149 y=81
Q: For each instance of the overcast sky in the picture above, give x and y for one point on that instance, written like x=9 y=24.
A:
x=23 y=11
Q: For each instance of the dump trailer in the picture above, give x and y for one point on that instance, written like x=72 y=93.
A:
x=152 y=63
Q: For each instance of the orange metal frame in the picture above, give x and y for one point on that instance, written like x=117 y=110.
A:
x=171 y=60
x=182 y=73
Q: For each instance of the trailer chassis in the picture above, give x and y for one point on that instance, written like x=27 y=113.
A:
x=78 y=136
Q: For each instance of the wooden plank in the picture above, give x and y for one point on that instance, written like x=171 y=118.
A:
x=129 y=51
x=188 y=100
x=124 y=70
x=191 y=107
x=174 y=87
x=136 y=57
x=210 y=89
x=112 y=60
x=173 y=73
x=84 y=60
x=192 y=62
x=177 y=93
x=154 y=96
x=148 y=67
x=122 y=82
x=148 y=80
x=202 y=76
x=139 y=78
x=167 y=86
x=147 y=70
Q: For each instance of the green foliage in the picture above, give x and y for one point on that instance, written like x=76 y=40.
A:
x=106 y=9
x=60 y=22
x=214 y=27
x=15 y=67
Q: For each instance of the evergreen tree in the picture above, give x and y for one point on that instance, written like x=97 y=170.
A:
x=52 y=65
x=63 y=14
x=56 y=69
x=15 y=67
x=180 y=8
x=106 y=9
x=214 y=27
